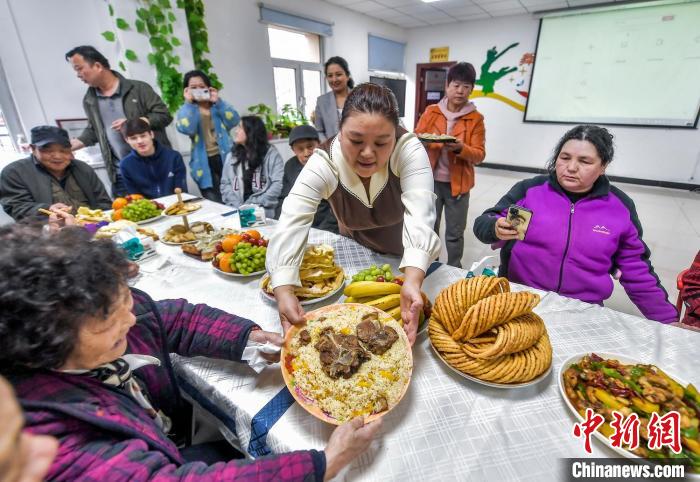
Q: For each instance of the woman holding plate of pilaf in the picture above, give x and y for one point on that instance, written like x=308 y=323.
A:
x=379 y=183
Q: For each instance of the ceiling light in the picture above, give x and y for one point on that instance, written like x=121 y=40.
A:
x=429 y=1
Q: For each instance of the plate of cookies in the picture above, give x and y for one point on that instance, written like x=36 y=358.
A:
x=490 y=335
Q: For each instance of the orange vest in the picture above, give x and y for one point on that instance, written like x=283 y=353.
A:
x=469 y=129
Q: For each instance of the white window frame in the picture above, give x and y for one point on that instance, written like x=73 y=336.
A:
x=9 y=110
x=299 y=67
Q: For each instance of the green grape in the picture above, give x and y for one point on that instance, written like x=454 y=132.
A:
x=386 y=267
x=388 y=276
x=368 y=278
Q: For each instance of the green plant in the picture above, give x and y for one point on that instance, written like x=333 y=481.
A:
x=199 y=38
x=279 y=125
x=154 y=19
x=265 y=113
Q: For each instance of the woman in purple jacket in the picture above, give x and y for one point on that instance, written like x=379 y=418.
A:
x=582 y=229
x=89 y=361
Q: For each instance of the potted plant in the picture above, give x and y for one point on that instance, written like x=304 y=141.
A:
x=279 y=125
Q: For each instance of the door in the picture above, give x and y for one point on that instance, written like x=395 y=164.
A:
x=430 y=85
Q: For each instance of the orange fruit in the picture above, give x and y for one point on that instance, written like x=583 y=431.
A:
x=136 y=197
x=225 y=263
x=119 y=203
x=254 y=234
x=117 y=215
x=230 y=242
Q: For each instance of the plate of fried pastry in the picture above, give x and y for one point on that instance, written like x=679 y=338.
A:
x=488 y=334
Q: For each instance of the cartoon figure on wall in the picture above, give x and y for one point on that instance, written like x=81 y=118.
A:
x=488 y=79
x=520 y=82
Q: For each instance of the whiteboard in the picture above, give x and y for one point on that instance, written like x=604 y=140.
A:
x=635 y=64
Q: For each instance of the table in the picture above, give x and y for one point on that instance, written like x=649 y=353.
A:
x=446 y=427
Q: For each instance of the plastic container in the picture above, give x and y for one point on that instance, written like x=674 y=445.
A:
x=251 y=215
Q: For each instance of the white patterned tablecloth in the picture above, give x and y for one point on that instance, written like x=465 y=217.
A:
x=446 y=427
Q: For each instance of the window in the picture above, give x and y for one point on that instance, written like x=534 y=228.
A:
x=385 y=55
x=296 y=68
x=11 y=135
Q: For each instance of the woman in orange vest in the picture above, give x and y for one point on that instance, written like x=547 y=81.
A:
x=453 y=163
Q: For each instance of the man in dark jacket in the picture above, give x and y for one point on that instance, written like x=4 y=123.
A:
x=50 y=178
x=304 y=140
x=110 y=100
x=151 y=168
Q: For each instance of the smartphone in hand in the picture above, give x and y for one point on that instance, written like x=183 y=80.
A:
x=200 y=94
x=520 y=218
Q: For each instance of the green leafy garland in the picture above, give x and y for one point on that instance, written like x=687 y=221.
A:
x=199 y=38
x=155 y=19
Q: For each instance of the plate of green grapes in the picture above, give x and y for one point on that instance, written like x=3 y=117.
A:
x=375 y=273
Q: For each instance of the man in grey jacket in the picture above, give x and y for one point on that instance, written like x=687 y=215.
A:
x=109 y=101
x=50 y=178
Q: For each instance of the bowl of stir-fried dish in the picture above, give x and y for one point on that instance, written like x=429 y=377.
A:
x=606 y=383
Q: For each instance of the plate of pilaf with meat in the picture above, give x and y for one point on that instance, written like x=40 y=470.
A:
x=349 y=360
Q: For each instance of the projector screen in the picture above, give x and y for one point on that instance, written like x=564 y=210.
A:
x=633 y=64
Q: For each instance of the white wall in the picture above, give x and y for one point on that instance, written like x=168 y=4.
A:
x=34 y=37
x=241 y=55
x=645 y=153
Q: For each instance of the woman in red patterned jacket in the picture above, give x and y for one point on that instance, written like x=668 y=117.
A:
x=88 y=358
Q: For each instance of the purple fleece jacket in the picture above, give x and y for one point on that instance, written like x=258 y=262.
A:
x=571 y=248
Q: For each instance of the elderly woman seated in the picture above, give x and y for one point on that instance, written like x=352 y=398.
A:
x=88 y=359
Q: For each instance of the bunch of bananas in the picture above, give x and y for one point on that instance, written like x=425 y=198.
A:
x=384 y=296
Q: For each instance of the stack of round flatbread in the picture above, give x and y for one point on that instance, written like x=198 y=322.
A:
x=483 y=329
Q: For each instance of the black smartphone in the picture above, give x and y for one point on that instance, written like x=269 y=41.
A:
x=520 y=218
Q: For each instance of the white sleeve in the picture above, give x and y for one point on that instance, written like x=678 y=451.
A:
x=316 y=182
x=421 y=245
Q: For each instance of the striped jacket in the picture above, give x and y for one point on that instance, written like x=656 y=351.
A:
x=105 y=435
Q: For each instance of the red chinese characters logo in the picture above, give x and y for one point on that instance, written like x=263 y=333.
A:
x=587 y=427
x=626 y=430
x=665 y=431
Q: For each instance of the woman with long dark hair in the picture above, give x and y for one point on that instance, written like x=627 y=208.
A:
x=253 y=170
x=379 y=183
x=329 y=106
x=581 y=230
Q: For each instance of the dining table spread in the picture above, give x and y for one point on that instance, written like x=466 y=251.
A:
x=446 y=427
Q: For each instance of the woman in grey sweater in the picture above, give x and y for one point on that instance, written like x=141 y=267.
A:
x=330 y=105
x=253 y=170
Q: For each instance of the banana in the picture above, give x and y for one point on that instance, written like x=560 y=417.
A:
x=363 y=301
x=385 y=302
x=396 y=314
x=364 y=289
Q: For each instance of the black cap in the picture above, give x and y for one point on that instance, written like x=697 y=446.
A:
x=44 y=135
x=302 y=132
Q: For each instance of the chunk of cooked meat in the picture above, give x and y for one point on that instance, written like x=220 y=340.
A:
x=340 y=355
x=304 y=337
x=381 y=405
x=366 y=330
x=377 y=337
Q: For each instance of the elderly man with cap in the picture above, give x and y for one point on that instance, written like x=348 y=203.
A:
x=50 y=178
x=304 y=140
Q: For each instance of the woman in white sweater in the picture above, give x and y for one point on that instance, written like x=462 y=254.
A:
x=379 y=183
